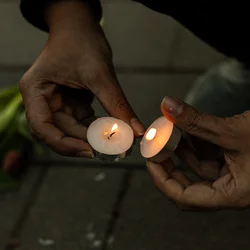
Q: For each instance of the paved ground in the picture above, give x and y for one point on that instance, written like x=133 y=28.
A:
x=78 y=204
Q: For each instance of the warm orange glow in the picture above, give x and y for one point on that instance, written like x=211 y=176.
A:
x=151 y=134
x=112 y=131
x=115 y=127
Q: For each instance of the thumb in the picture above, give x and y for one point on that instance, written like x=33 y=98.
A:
x=219 y=131
x=111 y=96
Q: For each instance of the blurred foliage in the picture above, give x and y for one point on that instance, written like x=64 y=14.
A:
x=14 y=132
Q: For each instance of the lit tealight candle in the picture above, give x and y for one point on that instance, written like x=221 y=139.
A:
x=111 y=138
x=162 y=134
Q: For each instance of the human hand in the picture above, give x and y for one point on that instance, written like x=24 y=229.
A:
x=225 y=172
x=58 y=89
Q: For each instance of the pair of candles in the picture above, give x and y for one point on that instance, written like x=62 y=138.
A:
x=112 y=138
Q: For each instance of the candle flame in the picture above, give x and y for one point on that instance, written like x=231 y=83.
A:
x=115 y=127
x=151 y=134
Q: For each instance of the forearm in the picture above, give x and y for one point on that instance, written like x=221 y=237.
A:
x=36 y=12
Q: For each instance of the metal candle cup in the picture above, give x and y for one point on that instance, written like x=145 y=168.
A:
x=161 y=136
x=110 y=138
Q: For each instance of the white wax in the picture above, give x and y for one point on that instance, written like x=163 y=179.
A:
x=156 y=137
x=104 y=140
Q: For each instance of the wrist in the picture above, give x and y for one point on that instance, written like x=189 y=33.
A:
x=63 y=15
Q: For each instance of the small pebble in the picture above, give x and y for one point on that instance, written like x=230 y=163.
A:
x=90 y=236
x=97 y=243
x=100 y=177
x=111 y=240
x=46 y=242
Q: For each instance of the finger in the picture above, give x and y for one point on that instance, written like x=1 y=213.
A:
x=181 y=178
x=112 y=98
x=175 y=174
x=55 y=102
x=41 y=123
x=219 y=131
x=206 y=169
x=170 y=187
x=160 y=157
x=68 y=110
x=59 y=142
x=83 y=112
x=225 y=170
x=198 y=195
x=69 y=125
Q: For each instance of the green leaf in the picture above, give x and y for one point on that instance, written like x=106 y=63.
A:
x=22 y=126
x=9 y=112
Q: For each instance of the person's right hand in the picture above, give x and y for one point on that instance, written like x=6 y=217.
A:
x=58 y=89
x=219 y=154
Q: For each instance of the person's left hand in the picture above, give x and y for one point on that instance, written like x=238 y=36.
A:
x=219 y=153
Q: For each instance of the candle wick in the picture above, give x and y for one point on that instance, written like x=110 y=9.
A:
x=111 y=135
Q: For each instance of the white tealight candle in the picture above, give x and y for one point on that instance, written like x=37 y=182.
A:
x=111 y=138
x=162 y=134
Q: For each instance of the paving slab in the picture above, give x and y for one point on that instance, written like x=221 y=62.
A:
x=12 y=205
x=149 y=221
x=72 y=210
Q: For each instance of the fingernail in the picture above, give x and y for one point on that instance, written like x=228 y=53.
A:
x=137 y=126
x=86 y=154
x=172 y=106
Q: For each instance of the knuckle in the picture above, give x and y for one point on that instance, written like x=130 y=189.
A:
x=34 y=135
x=22 y=84
x=193 y=124
x=237 y=126
x=229 y=128
x=231 y=132
x=32 y=78
x=34 y=130
x=26 y=78
x=121 y=103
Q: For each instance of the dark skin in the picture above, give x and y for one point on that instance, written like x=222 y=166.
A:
x=76 y=65
x=224 y=173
